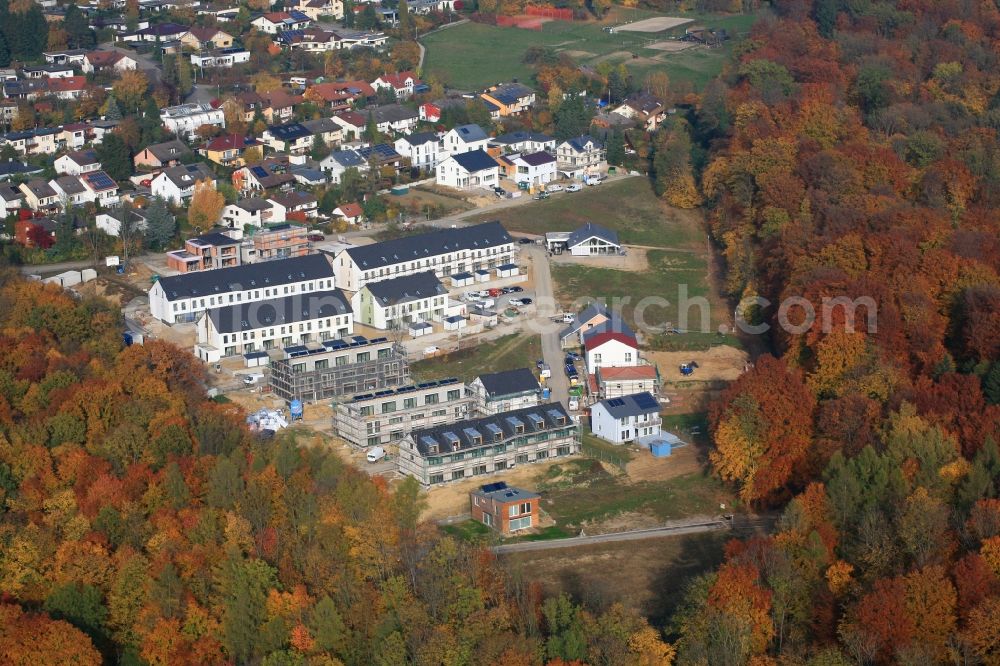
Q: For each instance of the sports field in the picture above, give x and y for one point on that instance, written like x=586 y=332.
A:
x=473 y=56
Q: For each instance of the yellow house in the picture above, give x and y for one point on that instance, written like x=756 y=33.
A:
x=227 y=150
x=510 y=98
x=205 y=38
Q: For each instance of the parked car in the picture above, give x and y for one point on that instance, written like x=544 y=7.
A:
x=567 y=318
x=500 y=192
x=316 y=237
x=516 y=302
x=573 y=355
x=430 y=351
x=375 y=454
x=555 y=187
x=575 y=187
x=526 y=301
x=592 y=180
x=524 y=241
x=495 y=291
x=512 y=290
x=541 y=196
x=544 y=371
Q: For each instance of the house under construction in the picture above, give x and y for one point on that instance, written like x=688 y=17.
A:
x=337 y=368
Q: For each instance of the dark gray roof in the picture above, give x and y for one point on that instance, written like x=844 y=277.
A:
x=519 y=137
x=254 y=204
x=509 y=93
x=347 y=158
x=615 y=324
x=509 y=382
x=70 y=185
x=13 y=168
x=186 y=175
x=430 y=244
x=461 y=433
x=40 y=188
x=420 y=138
x=475 y=160
x=539 y=158
x=590 y=229
x=579 y=143
x=392 y=113
x=631 y=405
x=583 y=317
x=471 y=132
x=248 y=276
x=279 y=311
x=289 y=132
x=321 y=125
x=214 y=238
x=83 y=157
x=8 y=193
x=169 y=150
x=406 y=288
x=501 y=492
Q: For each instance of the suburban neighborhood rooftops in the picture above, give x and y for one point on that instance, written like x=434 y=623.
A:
x=462 y=436
x=520 y=136
x=631 y=405
x=83 y=157
x=168 y=150
x=613 y=324
x=509 y=382
x=538 y=159
x=579 y=143
x=347 y=158
x=406 y=288
x=254 y=204
x=590 y=230
x=420 y=138
x=596 y=340
x=10 y=168
x=186 y=175
x=586 y=315
x=393 y=113
x=247 y=276
x=475 y=160
x=510 y=93
x=279 y=311
x=433 y=243
x=289 y=132
x=213 y=238
x=471 y=132
x=70 y=185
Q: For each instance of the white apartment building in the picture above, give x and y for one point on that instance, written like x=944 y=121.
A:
x=185 y=119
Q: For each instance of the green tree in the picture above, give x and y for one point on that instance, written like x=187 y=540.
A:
x=160 y=224
x=185 y=77
x=76 y=25
x=615 y=147
x=115 y=156
x=991 y=384
x=349 y=18
x=113 y=111
x=405 y=21
x=81 y=605
x=567 y=638
x=243 y=587
x=573 y=118
x=371 y=128
x=319 y=148
x=4 y=51
x=175 y=487
x=368 y=19
x=327 y=626
x=225 y=484
x=824 y=12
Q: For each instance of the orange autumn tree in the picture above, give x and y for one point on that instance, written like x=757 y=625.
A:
x=206 y=206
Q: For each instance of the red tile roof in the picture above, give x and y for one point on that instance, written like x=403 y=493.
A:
x=228 y=142
x=628 y=373
x=67 y=84
x=599 y=339
x=351 y=210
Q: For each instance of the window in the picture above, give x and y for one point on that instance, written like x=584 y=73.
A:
x=541 y=455
x=513 y=510
x=388 y=407
x=367 y=410
x=479 y=469
x=488 y=519
x=409 y=403
x=458 y=474
x=431 y=399
x=454 y=395
x=521 y=459
x=436 y=478
x=500 y=465
x=520 y=523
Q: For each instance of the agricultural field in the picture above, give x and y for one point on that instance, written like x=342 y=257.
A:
x=628 y=206
x=472 y=56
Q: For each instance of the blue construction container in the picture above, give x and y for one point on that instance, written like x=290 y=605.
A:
x=546 y=393
x=660 y=449
x=295 y=409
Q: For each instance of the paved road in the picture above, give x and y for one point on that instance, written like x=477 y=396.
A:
x=52 y=269
x=549 y=330
x=677 y=529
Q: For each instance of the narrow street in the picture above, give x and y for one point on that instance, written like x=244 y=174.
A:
x=546 y=308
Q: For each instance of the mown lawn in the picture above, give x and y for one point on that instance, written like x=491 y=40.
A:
x=649 y=300
x=473 y=56
x=628 y=206
x=507 y=353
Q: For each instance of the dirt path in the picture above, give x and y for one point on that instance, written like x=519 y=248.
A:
x=678 y=528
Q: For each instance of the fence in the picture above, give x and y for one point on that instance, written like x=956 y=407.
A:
x=550 y=12
x=600 y=453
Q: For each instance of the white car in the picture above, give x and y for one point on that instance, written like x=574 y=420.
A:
x=374 y=454
x=553 y=188
x=575 y=187
x=430 y=351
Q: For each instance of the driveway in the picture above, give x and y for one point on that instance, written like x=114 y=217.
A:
x=545 y=308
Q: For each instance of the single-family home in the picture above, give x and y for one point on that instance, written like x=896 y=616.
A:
x=222 y=58
x=464 y=139
x=77 y=162
x=339 y=94
x=227 y=149
x=535 y=169
x=254 y=212
x=244 y=328
x=394 y=118
x=504 y=391
x=510 y=98
x=381 y=155
x=117 y=61
x=444 y=251
x=47 y=71
x=185 y=119
x=401 y=83
x=626 y=419
x=589 y=240
x=396 y=302
x=201 y=39
x=610 y=349
x=317 y=8
x=160 y=32
x=586 y=320
x=16 y=169
x=294 y=205
x=278 y=106
x=421 y=148
x=40 y=196
x=70 y=190
x=274 y=22
x=73 y=57
x=644 y=109
x=110 y=221
x=293 y=138
x=463 y=171
x=326 y=129
x=184 y=297
x=11 y=200
x=271 y=173
x=429 y=112
x=581 y=155
x=159 y=155
x=352 y=213
x=176 y=184
x=488 y=444
x=504 y=508
x=352 y=123
x=523 y=141
x=615 y=382
x=339 y=161
x=70 y=88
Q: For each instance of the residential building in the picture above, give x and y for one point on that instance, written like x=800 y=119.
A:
x=389 y=415
x=270 y=174
x=11 y=200
x=278 y=106
x=422 y=149
x=590 y=317
x=293 y=138
x=581 y=155
x=523 y=142
x=313 y=40
x=274 y=22
x=643 y=108
x=39 y=196
x=429 y=112
x=101 y=188
x=184 y=297
x=616 y=382
x=277 y=323
x=117 y=61
x=159 y=155
x=280 y=241
x=339 y=94
x=626 y=419
x=352 y=123
x=201 y=39
x=381 y=155
x=316 y=8
x=15 y=169
x=110 y=222
x=47 y=71
x=326 y=129
x=38 y=141
x=506 y=509
x=339 y=161
x=505 y=391
x=464 y=139
x=352 y=213
x=394 y=118
x=464 y=171
x=227 y=149
x=396 y=302
x=176 y=184
x=337 y=368
x=77 y=163
x=534 y=169
x=160 y=32
x=73 y=136
x=73 y=57
x=445 y=252
x=402 y=83
x=253 y=212
x=590 y=240
x=610 y=349
x=35 y=232
x=295 y=205
x=206 y=252
x=510 y=98
x=222 y=59
x=70 y=190
x=488 y=444
x=185 y=119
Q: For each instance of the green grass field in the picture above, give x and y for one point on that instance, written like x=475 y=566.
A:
x=473 y=56
x=628 y=206
x=507 y=353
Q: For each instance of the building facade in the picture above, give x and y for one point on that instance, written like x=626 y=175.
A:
x=505 y=391
x=625 y=419
x=504 y=508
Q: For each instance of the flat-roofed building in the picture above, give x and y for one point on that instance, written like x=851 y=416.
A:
x=387 y=416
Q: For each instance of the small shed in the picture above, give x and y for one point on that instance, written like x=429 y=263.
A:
x=482 y=275
x=660 y=449
x=507 y=270
x=418 y=328
x=455 y=322
x=483 y=316
x=461 y=279
x=256 y=359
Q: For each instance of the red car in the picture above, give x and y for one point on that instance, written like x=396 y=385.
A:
x=495 y=292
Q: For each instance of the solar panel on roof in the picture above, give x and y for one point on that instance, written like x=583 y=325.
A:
x=451 y=437
x=258 y=171
x=616 y=402
x=645 y=401
x=493 y=487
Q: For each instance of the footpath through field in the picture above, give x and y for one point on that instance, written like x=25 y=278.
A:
x=674 y=529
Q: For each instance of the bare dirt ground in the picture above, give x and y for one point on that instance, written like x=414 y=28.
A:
x=655 y=24
x=579 y=54
x=670 y=46
x=635 y=260
x=722 y=363
x=644 y=467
